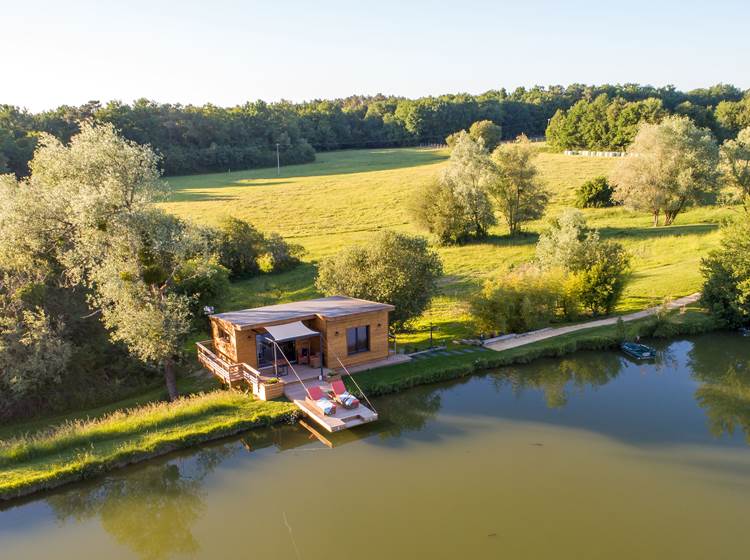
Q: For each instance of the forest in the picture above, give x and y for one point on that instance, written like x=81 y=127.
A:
x=196 y=139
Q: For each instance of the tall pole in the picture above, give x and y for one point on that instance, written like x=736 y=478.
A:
x=278 y=160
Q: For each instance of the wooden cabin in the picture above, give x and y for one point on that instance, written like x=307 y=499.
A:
x=310 y=336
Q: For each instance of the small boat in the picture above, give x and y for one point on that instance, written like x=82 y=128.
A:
x=638 y=351
x=745 y=331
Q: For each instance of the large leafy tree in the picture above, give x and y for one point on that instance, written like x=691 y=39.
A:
x=735 y=166
x=726 y=273
x=392 y=268
x=669 y=167
x=466 y=175
x=136 y=288
x=512 y=181
x=85 y=213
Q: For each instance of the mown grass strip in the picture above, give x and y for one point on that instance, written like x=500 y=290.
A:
x=79 y=450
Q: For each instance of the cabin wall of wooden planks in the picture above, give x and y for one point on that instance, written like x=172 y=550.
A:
x=336 y=343
x=239 y=346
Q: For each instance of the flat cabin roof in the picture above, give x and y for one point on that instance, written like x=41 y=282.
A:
x=328 y=307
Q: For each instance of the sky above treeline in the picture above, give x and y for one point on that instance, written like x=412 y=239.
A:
x=227 y=52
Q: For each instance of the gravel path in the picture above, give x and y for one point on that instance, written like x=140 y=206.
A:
x=536 y=336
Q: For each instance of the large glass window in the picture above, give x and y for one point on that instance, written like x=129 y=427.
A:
x=358 y=339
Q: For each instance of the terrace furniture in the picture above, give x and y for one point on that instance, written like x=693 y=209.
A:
x=281 y=368
x=315 y=360
x=320 y=402
x=342 y=396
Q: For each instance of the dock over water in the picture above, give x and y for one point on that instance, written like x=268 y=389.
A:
x=342 y=419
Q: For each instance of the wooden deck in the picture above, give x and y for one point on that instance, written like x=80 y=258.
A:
x=343 y=419
x=292 y=384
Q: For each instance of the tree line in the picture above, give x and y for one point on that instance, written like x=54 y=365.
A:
x=609 y=122
x=195 y=139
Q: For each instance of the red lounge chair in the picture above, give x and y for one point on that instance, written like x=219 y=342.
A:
x=342 y=396
x=320 y=402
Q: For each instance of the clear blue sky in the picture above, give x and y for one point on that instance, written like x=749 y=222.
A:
x=227 y=52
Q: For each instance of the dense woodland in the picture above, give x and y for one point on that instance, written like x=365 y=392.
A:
x=192 y=139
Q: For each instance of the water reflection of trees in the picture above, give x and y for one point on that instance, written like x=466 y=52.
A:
x=723 y=367
x=150 y=509
x=407 y=411
x=556 y=379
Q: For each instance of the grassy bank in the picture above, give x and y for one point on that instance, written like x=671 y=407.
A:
x=77 y=450
x=345 y=196
x=442 y=368
x=80 y=449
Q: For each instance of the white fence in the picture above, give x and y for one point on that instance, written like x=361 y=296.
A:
x=590 y=153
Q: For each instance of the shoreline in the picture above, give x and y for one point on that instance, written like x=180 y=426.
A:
x=382 y=381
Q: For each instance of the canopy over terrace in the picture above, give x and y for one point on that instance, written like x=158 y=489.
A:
x=290 y=331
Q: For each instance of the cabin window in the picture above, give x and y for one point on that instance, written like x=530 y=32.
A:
x=358 y=340
x=223 y=335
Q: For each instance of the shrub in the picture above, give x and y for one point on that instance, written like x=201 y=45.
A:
x=279 y=255
x=594 y=193
x=239 y=246
x=597 y=269
x=525 y=300
x=392 y=268
x=726 y=273
x=245 y=251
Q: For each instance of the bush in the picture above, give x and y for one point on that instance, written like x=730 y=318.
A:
x=240 y=245
x=245 y=251
x=522 y=301
x=726 y=273
x=392 y=268
x=596 y=269
x=279 y=255
x=594 y=193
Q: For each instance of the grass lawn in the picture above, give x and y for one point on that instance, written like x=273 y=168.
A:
x=345 y=196
x=83 y=448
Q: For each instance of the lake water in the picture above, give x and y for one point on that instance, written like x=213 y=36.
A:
x=591 y=456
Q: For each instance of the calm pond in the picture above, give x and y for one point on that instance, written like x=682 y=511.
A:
x=591 y=456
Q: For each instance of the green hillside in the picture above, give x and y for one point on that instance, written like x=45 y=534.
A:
x=344 y=196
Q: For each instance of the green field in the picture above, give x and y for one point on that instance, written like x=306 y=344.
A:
x=345 y=196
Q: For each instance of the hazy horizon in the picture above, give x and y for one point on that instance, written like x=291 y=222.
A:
x=231 y=52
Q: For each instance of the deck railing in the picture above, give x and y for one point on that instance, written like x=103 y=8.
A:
x=227 y=371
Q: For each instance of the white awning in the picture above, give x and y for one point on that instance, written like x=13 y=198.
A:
x=290 y=331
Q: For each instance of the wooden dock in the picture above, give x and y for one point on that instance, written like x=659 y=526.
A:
x=343 y=419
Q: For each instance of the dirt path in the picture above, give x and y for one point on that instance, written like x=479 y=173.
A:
x=536 y=336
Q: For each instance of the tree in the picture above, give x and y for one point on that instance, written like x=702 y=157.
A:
x=437 y=208
x=91 y=211
x=726 y=273
x=735 y=166
x=594 y=193
x=566 y=243
x=136 y=287
x=669 y=167
x=490 y=134
x=466 y=174
x=514 y=185
x=392 y=268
